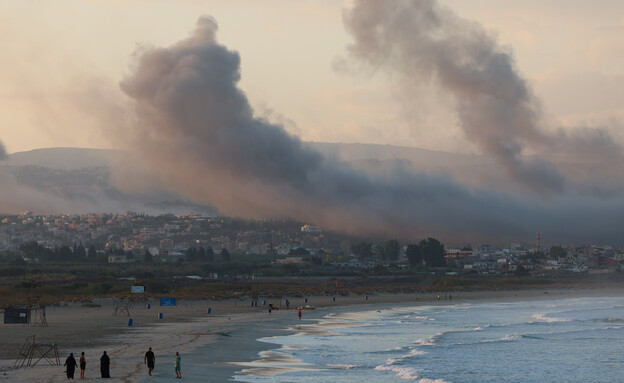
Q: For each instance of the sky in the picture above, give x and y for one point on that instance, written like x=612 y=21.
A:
x=229 y=90
x=57 y=53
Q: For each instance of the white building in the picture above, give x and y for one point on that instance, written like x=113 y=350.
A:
x=310 y=229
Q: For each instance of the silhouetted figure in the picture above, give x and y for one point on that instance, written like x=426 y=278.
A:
x=105 y=365
x=71 y=364
x=150 y=360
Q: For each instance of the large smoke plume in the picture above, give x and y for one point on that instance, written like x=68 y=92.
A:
x=422 y=42
x=3 y=153
x=197 y=132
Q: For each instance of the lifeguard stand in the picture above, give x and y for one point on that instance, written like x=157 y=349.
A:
x=37 y=312
x=31 y=353
x=123 y=308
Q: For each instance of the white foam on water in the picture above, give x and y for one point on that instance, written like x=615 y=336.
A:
x=406 y=373
x=544 y=318
x=415 y=352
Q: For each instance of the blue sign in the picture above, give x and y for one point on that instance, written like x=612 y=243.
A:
x=137 y=289
x=165 y=301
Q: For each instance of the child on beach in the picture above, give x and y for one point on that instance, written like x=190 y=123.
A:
x=83 y=365
x=177 y=366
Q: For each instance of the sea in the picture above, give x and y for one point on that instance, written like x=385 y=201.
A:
x=516 y=340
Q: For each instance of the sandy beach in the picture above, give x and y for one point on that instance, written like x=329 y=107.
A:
x=227 y=336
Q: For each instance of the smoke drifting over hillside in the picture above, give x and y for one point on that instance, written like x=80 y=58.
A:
x=16 y=198
x=422 y=42
x=197 y=132
x=3 y=153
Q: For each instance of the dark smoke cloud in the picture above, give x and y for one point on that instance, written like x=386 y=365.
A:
x=197 y=134
x=421 y=42
x=3 y=153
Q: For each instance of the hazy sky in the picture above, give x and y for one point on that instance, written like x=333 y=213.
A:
x=62 y=62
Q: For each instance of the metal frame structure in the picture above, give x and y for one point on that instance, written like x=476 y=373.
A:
x=31 y=350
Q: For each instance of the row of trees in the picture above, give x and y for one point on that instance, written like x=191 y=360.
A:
x=62 y=253
x=428 y=252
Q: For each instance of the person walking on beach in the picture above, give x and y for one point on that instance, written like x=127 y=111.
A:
x=149 y=359
x=178 y=361
x=70 y=363
x=105 y=366
x=83 y=365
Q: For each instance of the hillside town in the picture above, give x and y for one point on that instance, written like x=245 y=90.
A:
x=130 y=236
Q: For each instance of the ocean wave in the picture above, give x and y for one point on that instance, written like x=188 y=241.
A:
x=528 y=336
x=425 y=342
x=506 y=338
x=610 y=320
x=427 y=380
x=415 y=352
x=342 y=366
x=544 y=318
x=405 y=373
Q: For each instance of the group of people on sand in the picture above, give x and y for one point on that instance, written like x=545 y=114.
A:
x=71 y=364
x=149 y=360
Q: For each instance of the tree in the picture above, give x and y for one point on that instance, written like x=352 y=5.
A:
x=315 y=260
x=191 y=254
x=147 y=257
x=91 y=253
x=298 y=251
x=79 y=251
x=414 y=255
x=362 y=250
x=63 y=253
x=558 y=252
x=432 y=252
x=391 y=249
x=35 y=251
x=521 y=271
x=225 y=255
x=201 y=254
x=209 y=254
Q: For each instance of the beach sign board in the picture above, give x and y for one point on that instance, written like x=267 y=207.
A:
x=167 y=301
x=137 y=289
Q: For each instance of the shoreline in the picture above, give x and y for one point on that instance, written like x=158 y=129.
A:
x=221 y=343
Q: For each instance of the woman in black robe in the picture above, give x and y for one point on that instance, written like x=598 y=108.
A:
x=71 y=364
x=105 y=365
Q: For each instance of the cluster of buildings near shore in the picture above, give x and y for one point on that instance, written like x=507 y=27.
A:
x=168 y=237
